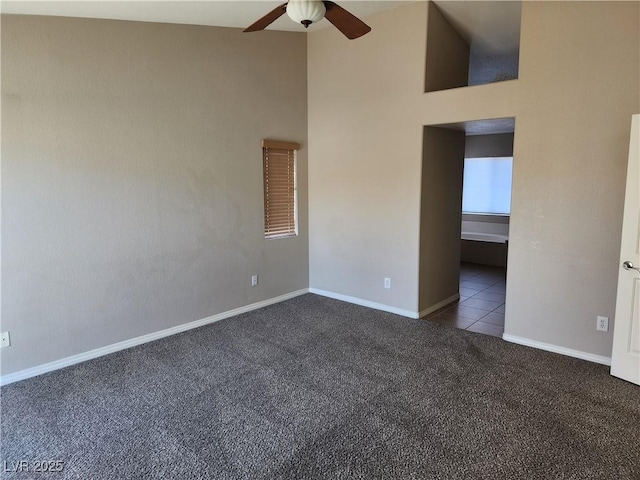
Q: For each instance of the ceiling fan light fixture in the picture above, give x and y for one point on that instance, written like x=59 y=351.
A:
x=306 y=12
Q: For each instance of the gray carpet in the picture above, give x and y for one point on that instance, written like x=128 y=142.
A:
x=313 y=388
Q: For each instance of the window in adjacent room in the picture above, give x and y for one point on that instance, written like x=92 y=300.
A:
x=280 y=189
x=487 y=185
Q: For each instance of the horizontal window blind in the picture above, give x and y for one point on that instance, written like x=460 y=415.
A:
x=280 y=202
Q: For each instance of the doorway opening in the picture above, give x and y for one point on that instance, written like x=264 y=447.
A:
x=464 y=224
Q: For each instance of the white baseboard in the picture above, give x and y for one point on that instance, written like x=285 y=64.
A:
x=439 y=305
x=590 y=357
x=99 y=352
x=365 y=303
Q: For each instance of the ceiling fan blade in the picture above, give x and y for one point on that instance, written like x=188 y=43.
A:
x=350 y=25
x=268 y=19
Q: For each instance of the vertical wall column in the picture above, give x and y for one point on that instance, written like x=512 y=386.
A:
x=440 y=217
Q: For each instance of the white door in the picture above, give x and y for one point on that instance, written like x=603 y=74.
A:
x=625 y=358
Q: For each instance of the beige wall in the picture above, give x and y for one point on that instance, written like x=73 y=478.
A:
x=573 y=101
x=447 y=54
x=365 y=151
x=131 y=173
x=132 y=178
x=440 y=217
x=579 y=85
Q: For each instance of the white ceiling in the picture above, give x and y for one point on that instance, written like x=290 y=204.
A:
x=492 y=25
x=226 y=13
x=489 y=26
x=484 y=127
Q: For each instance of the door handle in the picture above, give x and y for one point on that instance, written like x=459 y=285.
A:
x=629 y=266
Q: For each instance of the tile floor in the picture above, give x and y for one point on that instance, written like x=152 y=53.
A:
x=481 y=305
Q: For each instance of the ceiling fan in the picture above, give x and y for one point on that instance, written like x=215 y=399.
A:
x=307 y=12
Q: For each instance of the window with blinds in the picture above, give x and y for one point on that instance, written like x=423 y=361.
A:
x=280 y=189
x=487 y=185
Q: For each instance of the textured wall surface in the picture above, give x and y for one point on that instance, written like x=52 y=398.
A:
x=131 y=170
x=573 y=101
x=577 y=90
x=132 y=178
x=365 y=151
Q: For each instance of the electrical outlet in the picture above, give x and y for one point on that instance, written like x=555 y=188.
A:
x=5 y=341
x=387 y=282
x=254 y=280
x=602 y=324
